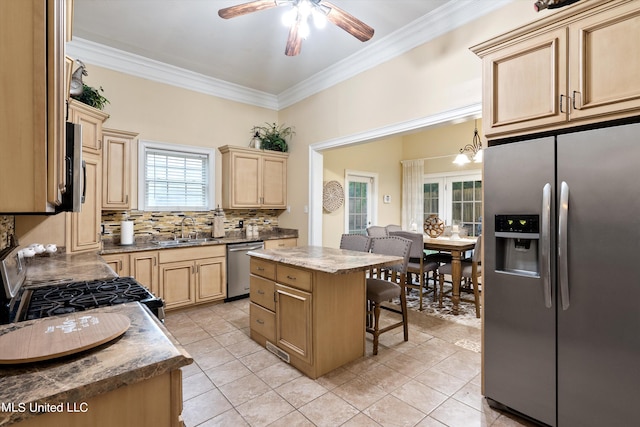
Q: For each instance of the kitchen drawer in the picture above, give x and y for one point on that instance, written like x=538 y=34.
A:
x=191 y=253
x=262 y=321
x=262 y=292
x=280 y=243
x=263 y=268
x=295 y=277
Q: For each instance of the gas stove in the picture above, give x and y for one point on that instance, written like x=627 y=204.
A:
x=52 y=300
x=34 y=301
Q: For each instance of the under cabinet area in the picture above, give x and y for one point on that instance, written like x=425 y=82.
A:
x=568 y=69
x=192 y=275
x=253 y=178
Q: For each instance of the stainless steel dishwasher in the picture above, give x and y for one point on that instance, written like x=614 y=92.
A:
x=238 y=271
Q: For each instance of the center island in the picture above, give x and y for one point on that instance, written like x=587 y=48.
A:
x=308 y=304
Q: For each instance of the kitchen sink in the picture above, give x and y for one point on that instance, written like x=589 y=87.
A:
x=184 y=242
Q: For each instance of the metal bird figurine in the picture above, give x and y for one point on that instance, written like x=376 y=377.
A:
x=76 y=79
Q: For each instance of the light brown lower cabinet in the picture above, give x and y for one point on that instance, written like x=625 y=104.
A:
x=313 y=319
x=156 y=402
x=192 y=275
x=142 y=266
x=118 y=263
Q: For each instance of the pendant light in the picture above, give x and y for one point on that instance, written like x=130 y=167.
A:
x=473 y=150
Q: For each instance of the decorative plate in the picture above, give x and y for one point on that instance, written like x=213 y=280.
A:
x=433 y=226
x=332 y=196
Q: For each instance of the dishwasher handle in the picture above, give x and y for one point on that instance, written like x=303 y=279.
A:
x=244 y=248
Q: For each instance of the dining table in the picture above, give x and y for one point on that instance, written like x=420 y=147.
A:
x=456 y=247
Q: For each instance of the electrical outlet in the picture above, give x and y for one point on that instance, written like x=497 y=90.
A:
x=267 y=221
x=241 y=224
x=102 y=229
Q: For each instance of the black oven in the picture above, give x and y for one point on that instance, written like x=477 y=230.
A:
x=22 y=301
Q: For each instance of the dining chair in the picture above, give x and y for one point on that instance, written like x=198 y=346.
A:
x=393 y=227
x=380 y=290
x=417 y=263
x=471 y=269
x=377 y=231
x=355 y=242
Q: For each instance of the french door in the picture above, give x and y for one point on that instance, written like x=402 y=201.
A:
x=455 y=199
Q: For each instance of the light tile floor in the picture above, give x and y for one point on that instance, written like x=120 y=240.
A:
x=431 y=380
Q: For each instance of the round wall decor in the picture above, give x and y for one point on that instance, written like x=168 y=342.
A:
x=332 y=196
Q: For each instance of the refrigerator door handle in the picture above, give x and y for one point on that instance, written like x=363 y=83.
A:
x=545 y=244
x=562 y=245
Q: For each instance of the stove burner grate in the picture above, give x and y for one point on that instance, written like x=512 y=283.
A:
x=79 y=296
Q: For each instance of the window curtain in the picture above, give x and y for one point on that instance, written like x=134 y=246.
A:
x=412 y=193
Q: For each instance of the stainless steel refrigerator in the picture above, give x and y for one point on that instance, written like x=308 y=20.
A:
x=562 y=273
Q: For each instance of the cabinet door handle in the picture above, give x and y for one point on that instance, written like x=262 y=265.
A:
x=126 y=199
x=575 y=95
x=260 y=321
x=291 y=277
x=260 y=292
x=155 y=261
x=260 y=268
x=561 y=96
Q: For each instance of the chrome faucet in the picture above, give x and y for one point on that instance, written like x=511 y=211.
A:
x=182 y=225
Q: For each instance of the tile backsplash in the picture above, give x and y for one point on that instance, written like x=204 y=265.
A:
x=7 y=228
x=165 y=224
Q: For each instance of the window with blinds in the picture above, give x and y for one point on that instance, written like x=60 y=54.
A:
x=175 y=177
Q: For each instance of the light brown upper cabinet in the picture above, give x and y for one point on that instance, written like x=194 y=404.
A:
x=32 y=110
x=253 y=178
x=116 y=169
x=573 y=67
x=84 y=227
x=91 y=120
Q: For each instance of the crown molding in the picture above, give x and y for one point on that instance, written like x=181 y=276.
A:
x=136 y=65
x=444 y=19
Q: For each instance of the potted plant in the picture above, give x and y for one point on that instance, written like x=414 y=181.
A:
x=92 y=97
x=273 y=136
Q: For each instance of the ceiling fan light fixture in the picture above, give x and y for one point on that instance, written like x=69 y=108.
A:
x=319 y=18
x=289 y=17
x=304 y=30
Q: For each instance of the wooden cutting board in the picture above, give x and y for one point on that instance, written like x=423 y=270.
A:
x=60 y=336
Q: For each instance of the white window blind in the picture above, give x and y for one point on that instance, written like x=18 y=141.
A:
x=176 y=179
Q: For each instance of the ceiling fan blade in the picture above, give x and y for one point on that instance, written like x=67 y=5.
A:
x=348 y=22
x=245 y=8
x=294 y=41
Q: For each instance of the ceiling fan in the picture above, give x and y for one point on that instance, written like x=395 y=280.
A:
x=297 y=18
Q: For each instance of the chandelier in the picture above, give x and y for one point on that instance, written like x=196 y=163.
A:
x=471 y=151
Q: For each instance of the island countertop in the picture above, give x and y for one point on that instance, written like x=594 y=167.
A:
x=146 y=350
x=327 y=260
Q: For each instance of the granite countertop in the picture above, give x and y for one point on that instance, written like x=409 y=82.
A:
x=146 y=243
x=62 y=266
x=144 y=351
x=327 y=260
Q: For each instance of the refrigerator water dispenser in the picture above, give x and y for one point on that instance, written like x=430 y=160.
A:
x=517 y=241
